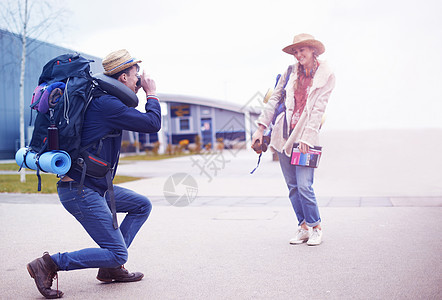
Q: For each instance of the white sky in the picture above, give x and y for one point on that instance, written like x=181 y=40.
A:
x=386 y=54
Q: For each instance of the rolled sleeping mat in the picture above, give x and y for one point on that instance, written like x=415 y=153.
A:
x=117 y=89
x=55 y=161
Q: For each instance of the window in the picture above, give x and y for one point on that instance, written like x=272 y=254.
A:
x=184 y=124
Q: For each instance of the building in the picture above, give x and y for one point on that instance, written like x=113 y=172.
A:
x=184 y=117
x=38 y=54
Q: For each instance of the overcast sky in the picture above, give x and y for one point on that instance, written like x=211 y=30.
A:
x=386 y=54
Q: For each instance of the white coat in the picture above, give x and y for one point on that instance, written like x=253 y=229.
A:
x=307 y=128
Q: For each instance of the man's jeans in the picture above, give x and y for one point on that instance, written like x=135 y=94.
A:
x=299 y=182
x=93 y=212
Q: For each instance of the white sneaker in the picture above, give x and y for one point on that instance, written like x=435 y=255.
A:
x=302 y=236
x=315 y=238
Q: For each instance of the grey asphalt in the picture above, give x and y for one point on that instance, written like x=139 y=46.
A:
x=232 y=241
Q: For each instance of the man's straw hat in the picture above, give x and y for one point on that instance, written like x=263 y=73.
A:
x=304 y=39
x=118 y=61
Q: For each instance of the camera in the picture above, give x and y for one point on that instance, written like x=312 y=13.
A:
x=258 y=147
x=139 y=81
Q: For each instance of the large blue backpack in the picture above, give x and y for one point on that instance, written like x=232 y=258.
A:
x=65 y=88
x=67 y=113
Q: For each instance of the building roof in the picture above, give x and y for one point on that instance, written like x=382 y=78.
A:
x=232 y=106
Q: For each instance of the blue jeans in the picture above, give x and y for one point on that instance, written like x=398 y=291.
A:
x=299 y=181
x=94 y=214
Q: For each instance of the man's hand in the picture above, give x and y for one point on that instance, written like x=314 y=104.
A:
x=148 y=85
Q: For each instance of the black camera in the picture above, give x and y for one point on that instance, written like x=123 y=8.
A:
x=139 y=81
x=258 y=147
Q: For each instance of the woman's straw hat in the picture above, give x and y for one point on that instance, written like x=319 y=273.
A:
x=304 y=39
x=118 y=61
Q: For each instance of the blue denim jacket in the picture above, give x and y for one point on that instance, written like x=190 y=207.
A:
x=106 y=114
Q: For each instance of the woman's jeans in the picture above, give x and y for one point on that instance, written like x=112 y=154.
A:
x=299 y=182
x=94 y=214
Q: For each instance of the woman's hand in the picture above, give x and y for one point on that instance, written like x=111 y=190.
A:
x=257 y=136
x=304 y=148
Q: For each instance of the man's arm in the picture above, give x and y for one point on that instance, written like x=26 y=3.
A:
x=131 y=119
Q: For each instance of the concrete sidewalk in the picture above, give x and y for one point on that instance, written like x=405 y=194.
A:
x=239 y=252
x=381 y=237
x=251 y=201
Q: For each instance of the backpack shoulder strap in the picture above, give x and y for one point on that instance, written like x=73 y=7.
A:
x=282 y=103
x=289 y=72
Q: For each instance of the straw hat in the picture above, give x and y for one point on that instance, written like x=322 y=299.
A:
x=118 y=61
x=304 y=39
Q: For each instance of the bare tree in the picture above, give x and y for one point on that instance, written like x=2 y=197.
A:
x=34 y=19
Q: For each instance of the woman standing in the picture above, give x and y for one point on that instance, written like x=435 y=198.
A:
x=308 y=89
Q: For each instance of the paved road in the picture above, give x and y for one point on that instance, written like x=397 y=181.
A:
x=231 y=242
x=239 y=252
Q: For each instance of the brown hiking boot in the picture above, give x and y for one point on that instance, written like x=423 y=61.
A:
x=43 y=270
x=118 y=274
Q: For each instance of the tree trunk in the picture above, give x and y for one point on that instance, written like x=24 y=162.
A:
x=22 y=88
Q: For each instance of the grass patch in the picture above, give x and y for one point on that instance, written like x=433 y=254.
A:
x=12 y=184
x=9 y=167
x=122 y=179
x=147 y=156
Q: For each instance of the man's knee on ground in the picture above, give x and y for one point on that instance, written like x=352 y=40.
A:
x=120 y=257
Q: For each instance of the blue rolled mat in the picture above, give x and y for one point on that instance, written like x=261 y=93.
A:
x=55 y=161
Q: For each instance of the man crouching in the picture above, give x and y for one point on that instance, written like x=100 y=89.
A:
x=104 y=121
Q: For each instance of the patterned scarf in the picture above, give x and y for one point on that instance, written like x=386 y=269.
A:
x=302 y=89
